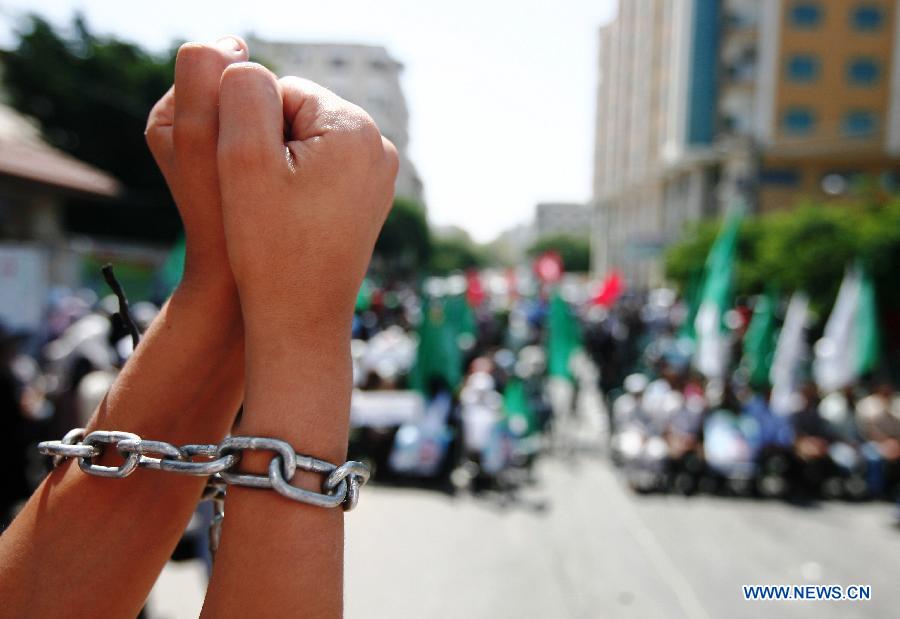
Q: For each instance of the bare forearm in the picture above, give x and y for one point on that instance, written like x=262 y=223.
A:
x=297 y=391
x=81 y=537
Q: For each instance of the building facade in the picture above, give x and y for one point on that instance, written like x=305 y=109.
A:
x=703 y=102
x=827 y=98
x=36 y=251
x=553 y=218
x=362 y=74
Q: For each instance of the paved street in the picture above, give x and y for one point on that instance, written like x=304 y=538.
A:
x=578 y=544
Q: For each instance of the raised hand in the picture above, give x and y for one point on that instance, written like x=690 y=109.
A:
x=182 y=133
x=307 y=181
x=183 y=384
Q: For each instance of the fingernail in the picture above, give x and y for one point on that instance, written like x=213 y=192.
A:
x=229 y=44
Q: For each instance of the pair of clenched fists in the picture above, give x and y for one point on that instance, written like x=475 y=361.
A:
x=280 y=180
x=282 y=187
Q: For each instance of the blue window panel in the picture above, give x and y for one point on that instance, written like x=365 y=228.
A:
x=806 y=15
x=863 y=71
x=704 y=69
x=867 y=17
x=860 y=123
x=803 y=68
x=786 y=177
x=798 y=121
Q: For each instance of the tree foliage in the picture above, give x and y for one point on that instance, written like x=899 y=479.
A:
x=575 y=251
x=807 y=248
x=455 y=254
x=405 y=240
x=91 y=96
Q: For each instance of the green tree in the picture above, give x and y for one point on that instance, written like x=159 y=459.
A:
x=575 y=251
x=807 y=248
x=455 y=254
x=91 y=96
x=405 y=240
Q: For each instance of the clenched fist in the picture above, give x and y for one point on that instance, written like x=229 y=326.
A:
x=182 y=133
x=307 y=181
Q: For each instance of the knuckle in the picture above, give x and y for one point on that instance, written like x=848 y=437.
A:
x=189 y=54
x=366 y=125
x=391 y=156
x=195 y=52
x=153 y=138
x=365 y=132
x=245 y=74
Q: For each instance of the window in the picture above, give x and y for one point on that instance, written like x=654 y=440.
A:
x=805 y=15
x=867 y=17
x=798 y=121
x=859 y=123
x=863 y=71
x=803 y=68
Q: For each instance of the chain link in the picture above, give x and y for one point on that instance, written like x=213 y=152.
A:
x=340 y=487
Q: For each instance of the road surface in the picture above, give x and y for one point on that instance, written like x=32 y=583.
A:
x=578 y=544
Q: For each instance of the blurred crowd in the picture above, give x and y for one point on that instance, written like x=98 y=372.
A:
x=674 y=429
x=462 y=382
x=52 y=379
x=669 y=426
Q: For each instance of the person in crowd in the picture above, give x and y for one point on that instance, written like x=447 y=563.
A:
x=877 y=418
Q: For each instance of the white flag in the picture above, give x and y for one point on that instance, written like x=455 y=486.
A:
x=835 y=364
x=790 y=351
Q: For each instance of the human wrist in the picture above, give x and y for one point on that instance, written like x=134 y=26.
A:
x=207 y=281
x=205 y=255
x=298 y=390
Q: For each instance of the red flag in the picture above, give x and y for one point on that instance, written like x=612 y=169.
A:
x=549 y=267
x=612 y=287
x=474 y=290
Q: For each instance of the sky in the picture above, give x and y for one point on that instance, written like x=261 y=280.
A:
x=501 y=92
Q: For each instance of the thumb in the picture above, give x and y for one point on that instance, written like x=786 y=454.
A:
x=251 y=121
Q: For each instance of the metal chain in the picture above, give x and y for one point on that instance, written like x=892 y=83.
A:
x=340 y=485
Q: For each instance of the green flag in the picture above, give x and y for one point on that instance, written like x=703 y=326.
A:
x=173 y=268
x=364 y=296
x=691 y=297
x=520 y=417
x=563 y=337
x=715 y=299
x=868 y=339
x=759 y=341
x=850 y=343
x=460 y=315
x=438 y=355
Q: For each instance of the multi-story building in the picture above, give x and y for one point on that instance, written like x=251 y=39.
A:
x=571 y=218
x=363 y=74
x=655 y=110
x=827 y=104
x=704 y=101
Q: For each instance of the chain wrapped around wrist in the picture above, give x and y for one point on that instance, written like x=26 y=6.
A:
x=219 y=463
